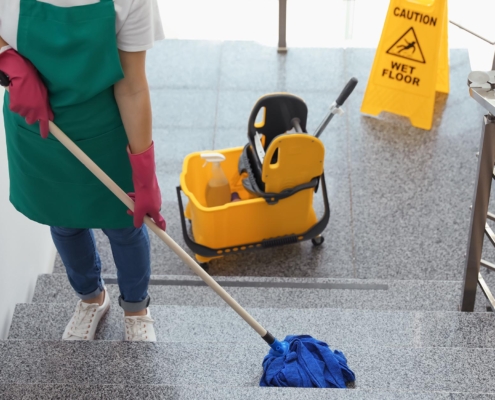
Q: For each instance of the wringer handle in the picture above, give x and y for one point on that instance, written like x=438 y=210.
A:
x=346 y=91
x=336 y=105
x=129 y=203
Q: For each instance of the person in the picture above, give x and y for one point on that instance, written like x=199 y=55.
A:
x=81 y=64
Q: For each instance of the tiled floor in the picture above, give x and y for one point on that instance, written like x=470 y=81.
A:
x=400 y=196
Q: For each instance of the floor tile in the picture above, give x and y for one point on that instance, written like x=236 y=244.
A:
x=183 y=108
x=235 y=107
x=184 y=64
x=314 y=69
x=251 y=66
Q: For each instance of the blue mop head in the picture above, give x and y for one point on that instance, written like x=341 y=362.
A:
x=307 y=362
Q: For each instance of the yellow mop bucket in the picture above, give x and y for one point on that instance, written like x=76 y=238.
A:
x=276 y=193
x=249 y=224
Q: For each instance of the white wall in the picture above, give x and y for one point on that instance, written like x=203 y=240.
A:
x=26 y=248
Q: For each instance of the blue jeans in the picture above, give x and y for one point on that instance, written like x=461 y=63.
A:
x=131 y=253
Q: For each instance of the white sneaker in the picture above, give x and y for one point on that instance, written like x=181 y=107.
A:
x=84 y=322
x=140 y=328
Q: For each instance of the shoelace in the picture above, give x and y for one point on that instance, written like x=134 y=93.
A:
x=136 y=328
x=82 y=319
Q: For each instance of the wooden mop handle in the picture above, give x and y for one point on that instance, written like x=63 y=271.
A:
x=117 y=191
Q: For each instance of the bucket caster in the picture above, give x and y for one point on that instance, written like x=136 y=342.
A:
x=318 y=241
x=205 y=266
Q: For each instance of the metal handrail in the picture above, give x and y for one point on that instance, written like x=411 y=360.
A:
x=477 y=35
x=282 y=26
x=481 y=88
x=470 y=31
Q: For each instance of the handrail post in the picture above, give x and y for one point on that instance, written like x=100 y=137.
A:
x=479 y=212
x=282 y=26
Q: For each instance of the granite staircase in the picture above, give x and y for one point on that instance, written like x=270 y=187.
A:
x=403 y=339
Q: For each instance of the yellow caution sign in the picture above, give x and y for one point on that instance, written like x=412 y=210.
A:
x=411 y=62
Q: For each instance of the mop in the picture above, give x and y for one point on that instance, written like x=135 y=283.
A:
x=297 y=361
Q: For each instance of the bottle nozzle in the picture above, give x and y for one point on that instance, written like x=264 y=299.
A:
x=212 y=157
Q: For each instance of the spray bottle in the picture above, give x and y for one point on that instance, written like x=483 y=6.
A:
x=218 y=188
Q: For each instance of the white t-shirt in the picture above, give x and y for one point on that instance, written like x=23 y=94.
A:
x=137 y=22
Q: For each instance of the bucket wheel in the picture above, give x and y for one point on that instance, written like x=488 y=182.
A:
x=318 y=240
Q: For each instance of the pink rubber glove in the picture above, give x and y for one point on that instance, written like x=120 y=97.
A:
x=147 y=197
x=28 y=94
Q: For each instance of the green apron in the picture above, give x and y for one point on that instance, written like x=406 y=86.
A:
x=75 y=51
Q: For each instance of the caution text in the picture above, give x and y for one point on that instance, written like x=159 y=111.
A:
x=415 y=16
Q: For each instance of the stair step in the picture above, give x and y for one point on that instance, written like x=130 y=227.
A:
x=163 y=392
x=336 y=327
x=236 y=364
x=261 y=292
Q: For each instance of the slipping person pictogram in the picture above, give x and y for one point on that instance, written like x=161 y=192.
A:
x=411 y=45
x=407 y=46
